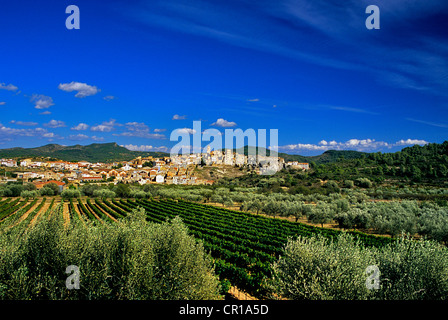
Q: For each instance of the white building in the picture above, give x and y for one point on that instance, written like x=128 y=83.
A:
x=8 y=163
x=160 y=178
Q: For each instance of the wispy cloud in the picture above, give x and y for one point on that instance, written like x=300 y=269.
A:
x=314 y=31
x=24 y=123
x=350 y=109
x=429 y=123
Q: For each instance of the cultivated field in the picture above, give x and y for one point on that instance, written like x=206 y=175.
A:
x=243 y=245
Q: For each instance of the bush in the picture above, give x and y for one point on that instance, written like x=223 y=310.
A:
x=29 y=194
x=70 y=194
x=46 y=191
x=104 y=193
x=413 y=270
x=138 y=194
x=89 y=189
x=363 y=183
x=130 y=259
x=349 y=184
x=317 y=268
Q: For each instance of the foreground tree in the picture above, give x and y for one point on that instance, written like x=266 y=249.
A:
x=130 y=259
x=320 y=269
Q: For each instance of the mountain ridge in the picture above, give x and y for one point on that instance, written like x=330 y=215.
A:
x=95 y=152
x=112 y=152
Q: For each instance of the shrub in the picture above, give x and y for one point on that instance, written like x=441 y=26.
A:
x=413 y=270
x=349 y=184
x=46 y=191
x=130 y=259
x=316 y=268
x=70 y=194
x=29 y=194
x=104 y=193
x=363 y=183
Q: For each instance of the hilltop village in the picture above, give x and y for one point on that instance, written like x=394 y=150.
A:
x=178 y=169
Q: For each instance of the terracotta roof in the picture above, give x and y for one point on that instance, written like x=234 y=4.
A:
x=40 y=184
x=59 y=183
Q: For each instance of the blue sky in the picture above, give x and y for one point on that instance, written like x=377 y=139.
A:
x=137 y=70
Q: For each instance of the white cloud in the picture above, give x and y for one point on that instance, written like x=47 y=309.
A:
x=41 y=101
x=49 y=135
x=7 y=133
x=81 y=126
x=83 y=89
x=108 y=98
x=24 y=123
x=365 y=145
x=140 y=130
x=409 y=142
x=8 y=87
x=45 y=112
x=159 y=130
x=145 y=148
x=95 y=138
x=185 y=130
x=102 y=128
x=223 y=123
x=2 y=103
x=178 y=117
x=253 y=100
x=55 y=124
x=106 y=126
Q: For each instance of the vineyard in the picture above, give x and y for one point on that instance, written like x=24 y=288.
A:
x=243 y=245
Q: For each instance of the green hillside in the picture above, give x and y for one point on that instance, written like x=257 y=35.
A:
x=329 y=156
x=97 y=152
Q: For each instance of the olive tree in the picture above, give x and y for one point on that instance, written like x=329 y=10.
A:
x=70 y=194
x=322 y=213
x=127 y=260
x=315 y=268
x=321 y=269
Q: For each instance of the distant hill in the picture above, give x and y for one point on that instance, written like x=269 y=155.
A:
x=97 y=152
x=329 y=156
x=111 y=152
